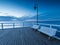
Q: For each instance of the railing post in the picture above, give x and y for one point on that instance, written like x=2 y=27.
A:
x=13 y=25
x=50 y=26
x=23 y=24
x=2 y=25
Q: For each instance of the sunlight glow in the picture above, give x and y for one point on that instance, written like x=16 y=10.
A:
x=15 y=12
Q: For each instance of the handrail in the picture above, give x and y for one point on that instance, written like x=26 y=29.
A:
x=50 y=24
x=8 y=24
x=23 y=24
x=2 y=25
x=55 y=26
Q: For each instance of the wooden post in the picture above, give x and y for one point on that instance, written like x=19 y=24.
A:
x=13 y=25
x=23 y=24
x=50 y=26
x=2 y=25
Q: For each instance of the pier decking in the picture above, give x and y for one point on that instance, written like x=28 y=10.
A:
x=25 y=36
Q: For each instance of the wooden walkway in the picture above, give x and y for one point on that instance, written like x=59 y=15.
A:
x=25 y=36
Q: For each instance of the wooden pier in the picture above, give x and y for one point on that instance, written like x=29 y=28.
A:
x=25 y=36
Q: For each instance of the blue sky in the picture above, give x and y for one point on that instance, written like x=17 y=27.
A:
x=18 y=8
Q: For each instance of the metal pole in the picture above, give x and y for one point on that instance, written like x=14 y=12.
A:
x=37 y=14
x=36 y=8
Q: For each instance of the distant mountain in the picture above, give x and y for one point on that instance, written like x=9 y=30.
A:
x=7 y=18
x=11 y=18
x=44 y=16
x=24 y=18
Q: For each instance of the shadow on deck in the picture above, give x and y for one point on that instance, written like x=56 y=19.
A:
x=25 y=36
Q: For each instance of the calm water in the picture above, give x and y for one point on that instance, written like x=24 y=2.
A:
x=51 y=22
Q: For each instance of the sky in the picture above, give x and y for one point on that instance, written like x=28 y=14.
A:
x=19 y=8
x=16 y=8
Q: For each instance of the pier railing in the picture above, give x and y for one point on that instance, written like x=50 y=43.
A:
x=50 y=25
x=55 y=26
x=9 y=25
x=26 y=24
x=14 y=25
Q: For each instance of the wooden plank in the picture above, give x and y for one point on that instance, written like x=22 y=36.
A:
x=24 y=36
